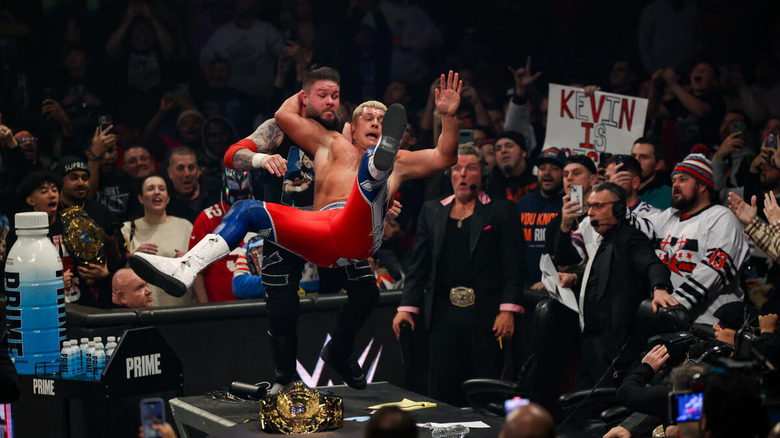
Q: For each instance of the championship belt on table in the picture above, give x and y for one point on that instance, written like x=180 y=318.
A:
x=298 y=409
x=462 y=296
x=82 y=236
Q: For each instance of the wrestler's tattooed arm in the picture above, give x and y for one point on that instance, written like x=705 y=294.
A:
x=267 y=137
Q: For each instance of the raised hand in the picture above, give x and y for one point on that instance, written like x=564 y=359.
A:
x=102 y=141
x=771 y=210
x=742 y=210
x=620 y=177
x=6 y=135
x=167 y=102
x=53 y=110
x=570 y=211
x=670 y=76
x=730 y=144
x=523 y=76
x=447 y=96
x=591 y=89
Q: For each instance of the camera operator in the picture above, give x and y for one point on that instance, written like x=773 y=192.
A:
x=650 y=403
x=732 y=407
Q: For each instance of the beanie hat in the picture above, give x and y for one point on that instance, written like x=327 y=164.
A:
x=70 y=164
x=515 y=137
x=697 y=166
x=19 y=134
x=187 y=113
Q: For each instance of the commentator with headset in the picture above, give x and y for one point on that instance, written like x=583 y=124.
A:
x=621 y=272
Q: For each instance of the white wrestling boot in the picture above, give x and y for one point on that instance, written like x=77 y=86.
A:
x=176 y=275
x=393 y=128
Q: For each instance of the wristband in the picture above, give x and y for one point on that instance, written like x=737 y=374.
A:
x=91 y=156
x=257 y=160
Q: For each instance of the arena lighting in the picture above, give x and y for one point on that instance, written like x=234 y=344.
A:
x=312 y=379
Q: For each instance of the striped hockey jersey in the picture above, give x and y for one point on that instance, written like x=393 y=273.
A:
x=705 y=253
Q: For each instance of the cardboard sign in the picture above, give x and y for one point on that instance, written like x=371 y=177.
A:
x=588 y=125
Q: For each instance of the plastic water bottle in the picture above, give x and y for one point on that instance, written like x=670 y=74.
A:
x=83 y=356
x=88 y=370
x=99 y=362
x=35 y=295
x=74 y=359
x=99 y=348
x=110 y=346
x=65 y=371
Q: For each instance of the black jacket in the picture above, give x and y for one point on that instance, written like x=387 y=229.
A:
x=496 y=257
x=628 y=269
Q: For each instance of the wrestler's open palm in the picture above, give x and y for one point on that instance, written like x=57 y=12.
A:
x=448 y=94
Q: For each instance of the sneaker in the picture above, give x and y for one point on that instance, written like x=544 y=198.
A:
x=393 y=128
x=346 y=366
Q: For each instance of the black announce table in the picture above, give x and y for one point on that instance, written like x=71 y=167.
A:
x=227 y=418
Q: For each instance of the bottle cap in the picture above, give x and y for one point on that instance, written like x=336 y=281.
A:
x=31 y=220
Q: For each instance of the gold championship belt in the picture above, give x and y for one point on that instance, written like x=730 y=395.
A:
x=83 y=238
x=462 y=296
x=298 y=409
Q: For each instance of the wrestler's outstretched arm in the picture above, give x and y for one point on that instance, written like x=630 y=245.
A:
x=256 y=151
x=419 y=164
x=306 y=133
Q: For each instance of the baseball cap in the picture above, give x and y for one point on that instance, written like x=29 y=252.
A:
x=583 y=160
x=551 y=155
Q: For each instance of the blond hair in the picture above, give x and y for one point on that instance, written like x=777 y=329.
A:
x=367 y=104
x=467 y=149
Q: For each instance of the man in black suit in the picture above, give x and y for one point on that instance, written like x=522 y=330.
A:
x=465 y=280
x=623 y=272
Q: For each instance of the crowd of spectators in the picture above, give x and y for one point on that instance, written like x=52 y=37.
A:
x=125 y=110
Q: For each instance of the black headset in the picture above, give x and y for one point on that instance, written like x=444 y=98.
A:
x=619 y=209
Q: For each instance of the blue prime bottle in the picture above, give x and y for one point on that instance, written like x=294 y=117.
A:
x=35 y=296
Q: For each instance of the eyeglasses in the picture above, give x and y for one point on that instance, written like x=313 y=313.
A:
x=24 y=140
x=598 y=205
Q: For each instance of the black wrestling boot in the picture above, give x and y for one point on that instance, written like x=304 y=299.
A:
x=284 y=353
x=345 y=365
x=393 y=128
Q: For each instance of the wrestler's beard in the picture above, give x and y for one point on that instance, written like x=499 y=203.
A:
x=332 y=125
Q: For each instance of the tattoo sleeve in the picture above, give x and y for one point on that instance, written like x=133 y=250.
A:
x=242 y=160
x=267 y=137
